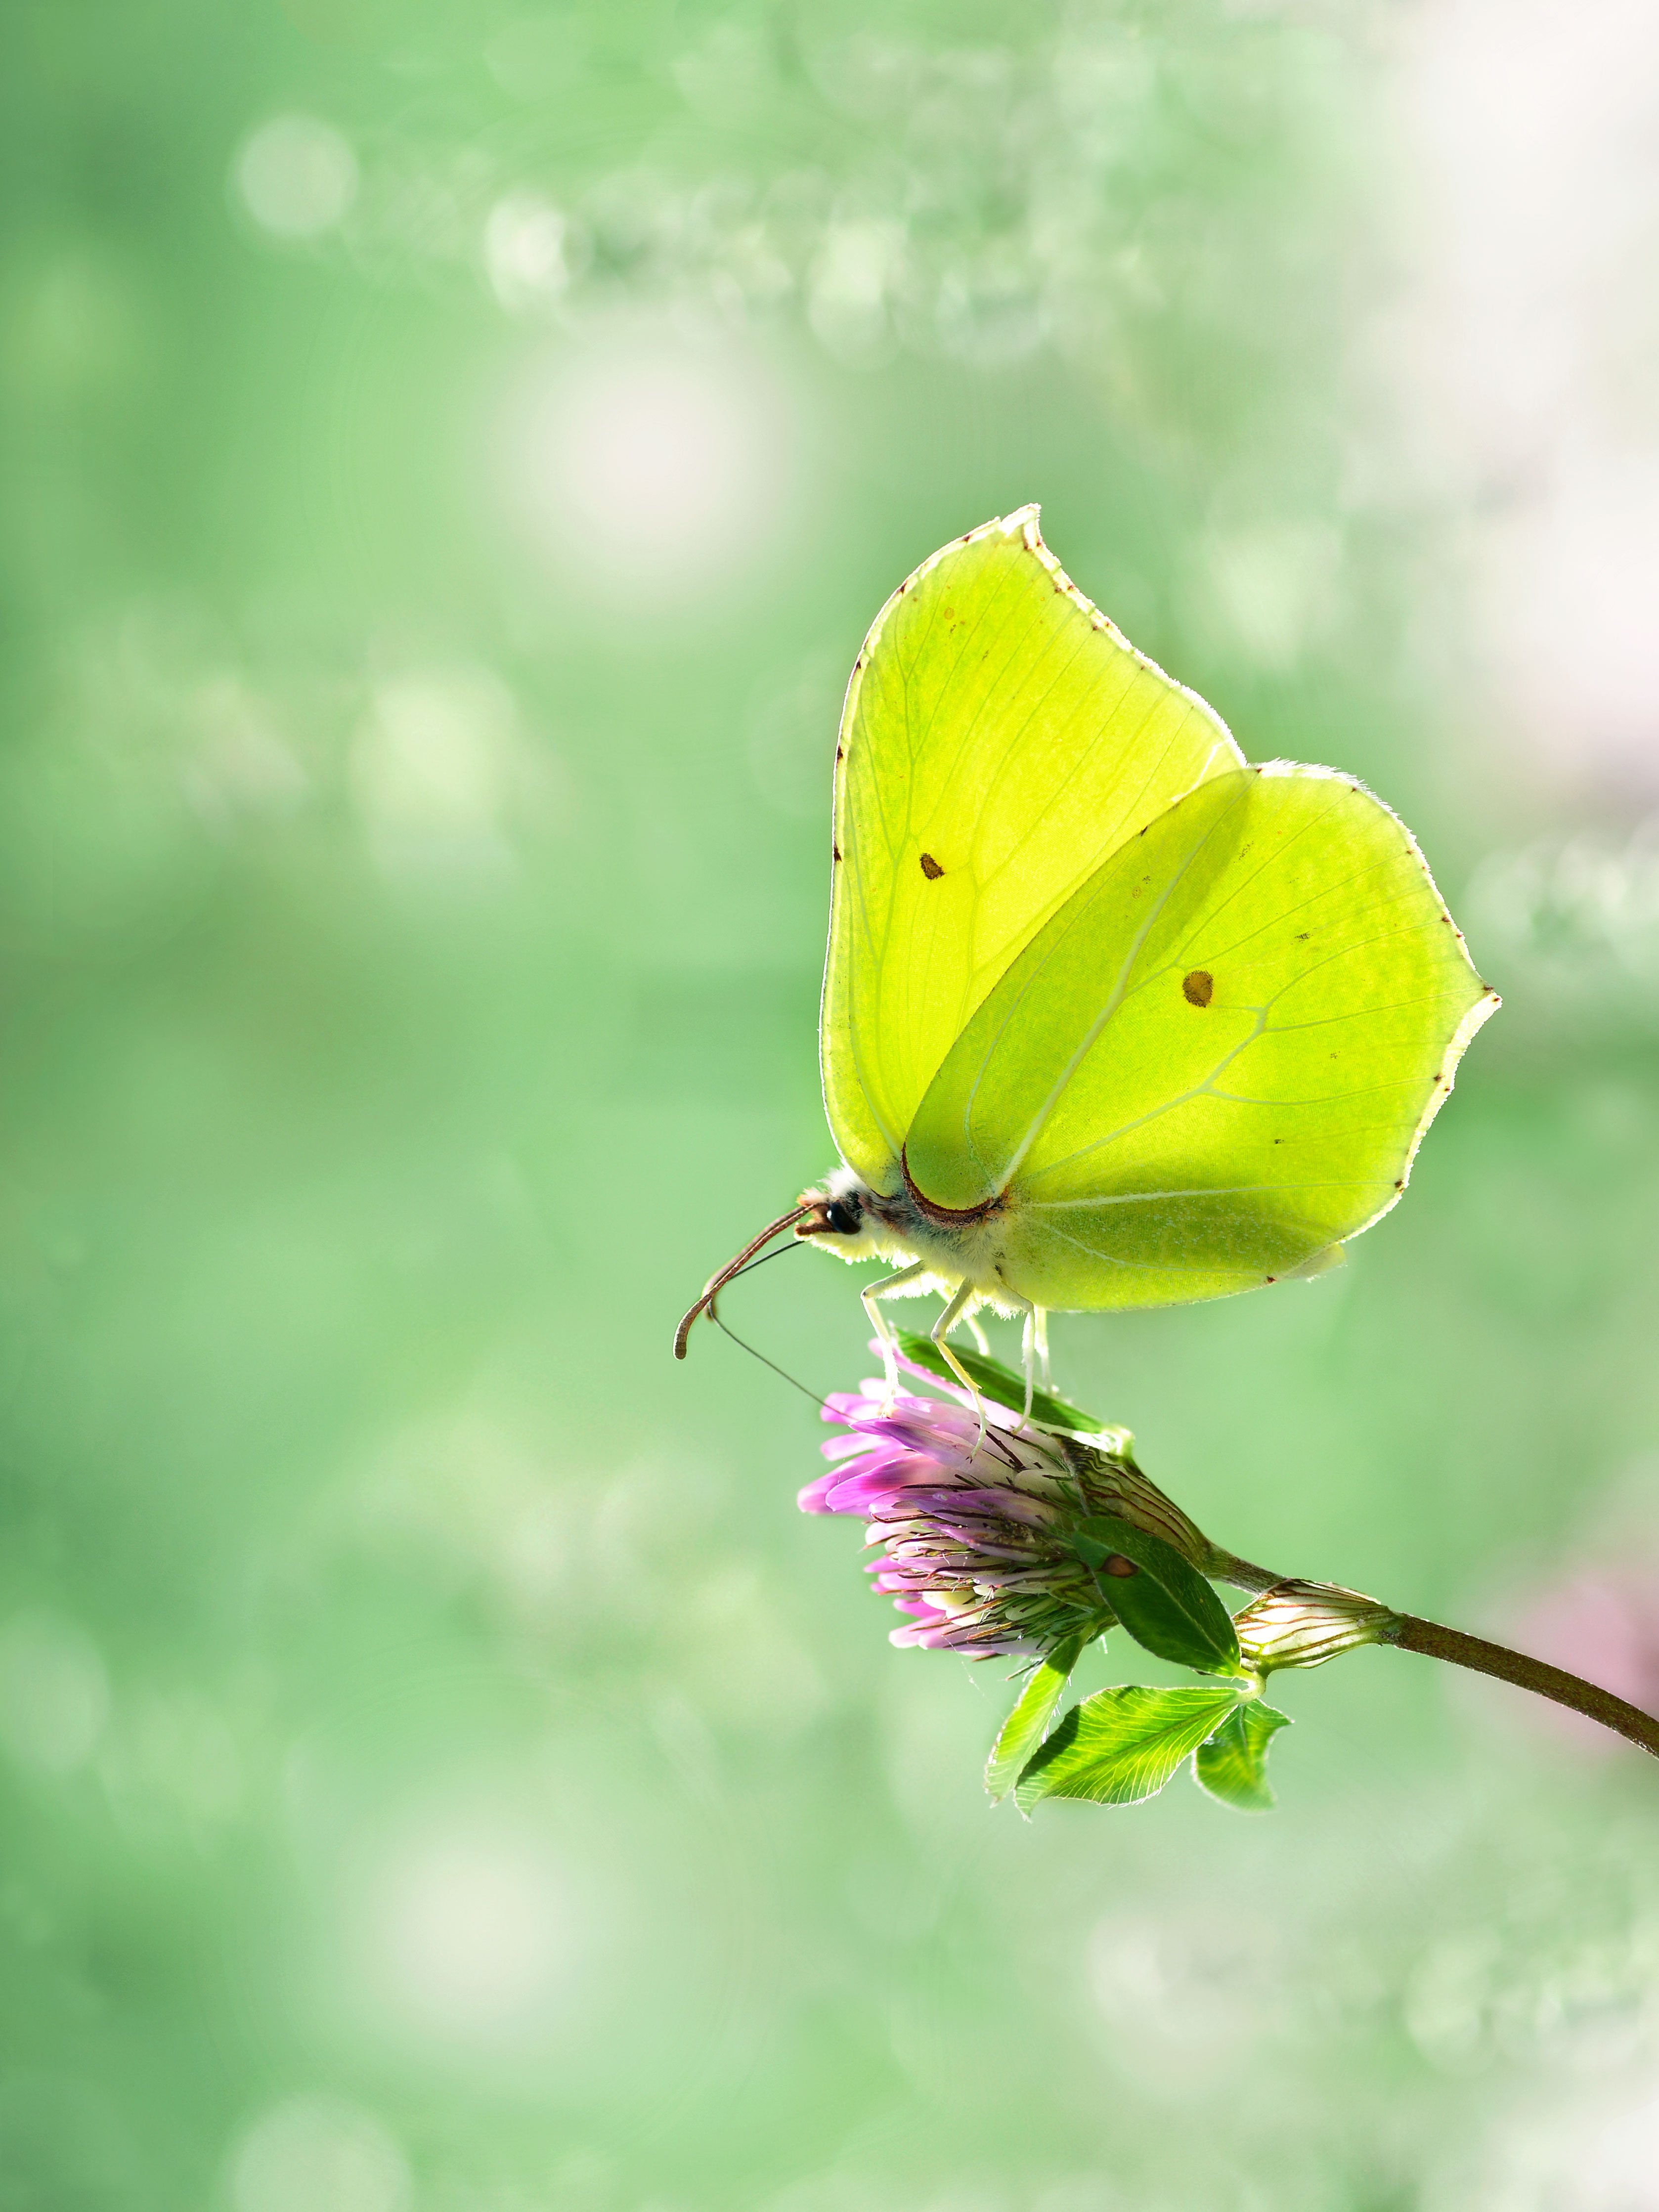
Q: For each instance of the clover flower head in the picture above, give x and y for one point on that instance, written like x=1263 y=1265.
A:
x=971 y=1536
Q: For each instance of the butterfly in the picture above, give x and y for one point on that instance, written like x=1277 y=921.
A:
x=1111 y=1018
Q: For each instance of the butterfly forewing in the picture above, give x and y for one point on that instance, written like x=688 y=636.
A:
x=999 y=740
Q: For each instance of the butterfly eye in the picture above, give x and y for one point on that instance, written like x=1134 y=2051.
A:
x=842 y=1219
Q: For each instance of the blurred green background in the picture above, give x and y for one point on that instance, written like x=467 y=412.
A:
x=450 y=454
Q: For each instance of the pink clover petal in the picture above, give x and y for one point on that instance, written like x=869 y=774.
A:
x=873 y=1389
x=957 y=1530
x=844 y=1405
x=876 y=1450
x=882 y=1436
x=987 y=1563
x=865 y=1469
x=988 y=1647
x=996 y=1414
x=851 y=1486
x=971 y=1646
x=939 y=1423
x=1004 y=1416
x=919 y=1638
x=898 y=1432
x=860 y=1493
x=984 y=1505
x=899 y=1453
x=1014 y=1505
x=926 y=1374
x=844 y=1447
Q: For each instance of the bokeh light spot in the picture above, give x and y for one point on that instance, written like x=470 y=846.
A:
x=471 y=1934
x=531 y=250
x=54 y=1693
x=431 y=768
x=662 y=466
x=297 y=176
x=318 y=2154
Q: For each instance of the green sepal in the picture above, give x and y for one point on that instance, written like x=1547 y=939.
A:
x=994 y=1381
x=1021 y=1732
x=1122 y=1745
x=1168 y=1606
x=1232 y=1764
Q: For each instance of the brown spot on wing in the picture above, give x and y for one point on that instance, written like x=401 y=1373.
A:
x=930 y=868
x=1198 y=988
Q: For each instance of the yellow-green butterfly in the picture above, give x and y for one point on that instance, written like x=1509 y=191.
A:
x=1110 y=1019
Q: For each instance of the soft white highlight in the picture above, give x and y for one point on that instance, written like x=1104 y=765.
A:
x=318 y=2154
x=654 y=465
x=54 y=1692
x=1531 y=134
x=297 y=176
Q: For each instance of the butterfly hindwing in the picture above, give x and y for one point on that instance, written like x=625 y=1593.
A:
x=1215 y=1061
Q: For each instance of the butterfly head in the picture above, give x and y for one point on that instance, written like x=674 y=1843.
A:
x=839 y=1217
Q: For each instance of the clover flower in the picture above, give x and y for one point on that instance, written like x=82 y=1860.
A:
x=972 y=1536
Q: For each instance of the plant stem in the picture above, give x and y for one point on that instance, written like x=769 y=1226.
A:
x=1227 y=1567
x=1298 y=1623
x=1408 y=1633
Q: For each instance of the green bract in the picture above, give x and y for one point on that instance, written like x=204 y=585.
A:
x=1233 y=1765
x=1165 y=1604
x=1021 y=1732
x=1122 y=1745
x=992 y=1380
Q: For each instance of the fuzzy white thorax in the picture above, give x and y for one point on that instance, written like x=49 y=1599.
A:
x=857 y=1222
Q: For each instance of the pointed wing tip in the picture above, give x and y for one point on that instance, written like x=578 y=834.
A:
x=1023 y=521
x=1482 y=1007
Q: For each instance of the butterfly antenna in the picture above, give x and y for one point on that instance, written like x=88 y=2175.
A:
x=782 y=1253
x=716 y=1284
x=765 y=1362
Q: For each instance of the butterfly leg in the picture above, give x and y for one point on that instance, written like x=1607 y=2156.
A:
x=870 y=1294
x=971 y=1322
x=1042 y=1347
x=1035 y=1318
x=947 y=1320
